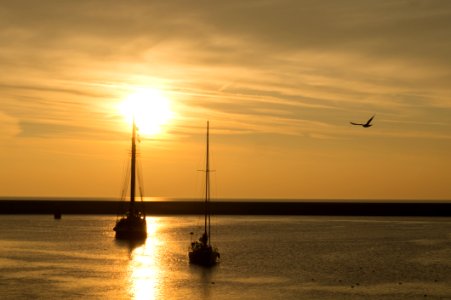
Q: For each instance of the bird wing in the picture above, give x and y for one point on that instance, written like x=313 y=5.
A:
x=369 y=121
x=355 y=123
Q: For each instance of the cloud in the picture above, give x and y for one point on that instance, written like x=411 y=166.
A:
x=58 y=110
x=9 y=128
x=296 y=62
x=34 y=129
x=278 y=79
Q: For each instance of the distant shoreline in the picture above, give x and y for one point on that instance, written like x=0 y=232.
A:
x=190 y=207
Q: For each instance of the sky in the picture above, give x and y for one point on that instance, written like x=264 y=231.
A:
x=279 y=81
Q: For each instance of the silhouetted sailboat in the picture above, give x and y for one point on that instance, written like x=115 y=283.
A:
x=57 y=213
x=202 y=252
x=132 y=225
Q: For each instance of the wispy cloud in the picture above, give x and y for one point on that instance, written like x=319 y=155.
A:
x=289 y=62
x=287 y=75
x=9 y=128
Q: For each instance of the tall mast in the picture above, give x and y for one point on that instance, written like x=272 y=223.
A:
x=133 y=170
x=207 y=185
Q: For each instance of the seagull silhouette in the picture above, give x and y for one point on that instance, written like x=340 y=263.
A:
x=367 y=124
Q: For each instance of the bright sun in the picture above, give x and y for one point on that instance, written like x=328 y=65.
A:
x=150 y=109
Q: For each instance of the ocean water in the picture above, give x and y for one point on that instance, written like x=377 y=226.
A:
x=262 y=257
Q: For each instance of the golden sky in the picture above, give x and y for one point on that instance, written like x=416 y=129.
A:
x=279 y=81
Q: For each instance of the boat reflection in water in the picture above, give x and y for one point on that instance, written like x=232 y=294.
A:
x=157 y=268
x=145 y=271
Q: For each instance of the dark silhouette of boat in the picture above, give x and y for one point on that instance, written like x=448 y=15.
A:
x=132 y=225
x=201 y=252
x=57 y=214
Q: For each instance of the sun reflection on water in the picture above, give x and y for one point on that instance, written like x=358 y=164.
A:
x=144 y=269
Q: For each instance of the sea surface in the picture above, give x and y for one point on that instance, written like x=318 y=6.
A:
x=262 y=257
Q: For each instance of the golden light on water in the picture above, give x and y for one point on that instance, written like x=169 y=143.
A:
x=145 y=270
x=150 y=108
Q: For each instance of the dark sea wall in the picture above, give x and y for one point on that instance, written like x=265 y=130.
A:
x=231 y=208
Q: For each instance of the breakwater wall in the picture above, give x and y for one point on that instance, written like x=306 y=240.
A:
x=231 y=208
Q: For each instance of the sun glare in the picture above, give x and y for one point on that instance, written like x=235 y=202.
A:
x=150 y=109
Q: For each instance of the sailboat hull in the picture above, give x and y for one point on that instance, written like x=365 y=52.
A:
x=131 y=228
x=206 y=256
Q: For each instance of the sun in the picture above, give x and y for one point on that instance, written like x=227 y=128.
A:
x=150 y=109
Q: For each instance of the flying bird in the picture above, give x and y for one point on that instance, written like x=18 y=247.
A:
x=367 y=124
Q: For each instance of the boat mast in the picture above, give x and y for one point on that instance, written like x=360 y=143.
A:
x=207 y=186
x=133 y=170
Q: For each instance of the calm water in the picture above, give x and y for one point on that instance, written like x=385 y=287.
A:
x=298 y=257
